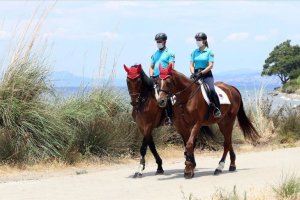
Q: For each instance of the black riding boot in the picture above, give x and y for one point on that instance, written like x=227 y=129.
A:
x=169 y=112
x=216 y=104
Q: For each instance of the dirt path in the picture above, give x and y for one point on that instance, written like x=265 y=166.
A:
x=255 y=171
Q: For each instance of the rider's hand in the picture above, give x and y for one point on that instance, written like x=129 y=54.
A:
x=192 y=76
x=199 y=75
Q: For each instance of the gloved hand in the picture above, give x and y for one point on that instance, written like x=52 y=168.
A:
x=199 y=75
x=192 y=76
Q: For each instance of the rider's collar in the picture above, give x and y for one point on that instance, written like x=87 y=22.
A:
x=204 y=50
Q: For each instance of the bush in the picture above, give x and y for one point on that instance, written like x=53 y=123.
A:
x=291 y=86
x=101 y=123
x=287 y=123
x=224 y=195
x=30 y=130
x=289 y=187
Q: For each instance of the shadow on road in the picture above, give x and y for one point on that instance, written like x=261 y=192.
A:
x=178 y=173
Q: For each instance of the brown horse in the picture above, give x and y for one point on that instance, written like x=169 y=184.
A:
x=190 y=114
x=146 y=112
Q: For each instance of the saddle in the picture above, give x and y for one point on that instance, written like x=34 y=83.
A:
x=223 y=98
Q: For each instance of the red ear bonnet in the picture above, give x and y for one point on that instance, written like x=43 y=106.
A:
x=165 y=73
x=133 y=72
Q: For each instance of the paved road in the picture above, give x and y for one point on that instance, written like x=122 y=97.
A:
x=255 y=170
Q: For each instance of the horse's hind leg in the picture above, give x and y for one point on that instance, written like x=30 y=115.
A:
x=232 y=166
x=156 y=156
x=143 y=151
x=226 y=127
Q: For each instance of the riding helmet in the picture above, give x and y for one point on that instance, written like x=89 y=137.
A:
x=201 y=35
x=160 y=36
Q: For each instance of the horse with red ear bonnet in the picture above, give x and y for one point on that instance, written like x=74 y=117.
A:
x=146 y=113
x=190 y=115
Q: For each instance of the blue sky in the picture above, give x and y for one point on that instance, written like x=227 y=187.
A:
x=241 y=33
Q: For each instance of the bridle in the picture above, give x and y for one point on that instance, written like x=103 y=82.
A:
x=169 y=94
x=135 y=95
x=134 y=73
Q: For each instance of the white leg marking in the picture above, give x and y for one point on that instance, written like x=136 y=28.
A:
x=141 y=169
x=221 y=166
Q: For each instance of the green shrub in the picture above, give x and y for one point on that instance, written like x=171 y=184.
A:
x=291 y=86
x=223 y=195
x=289 y=187
x=27 y=120
x=101 y=122
x=287 y=123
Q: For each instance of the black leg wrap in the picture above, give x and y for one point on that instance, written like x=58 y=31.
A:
x=143 y=148
x=157 y=157
x=232 y=155
x=191 y=158
x=142 y=161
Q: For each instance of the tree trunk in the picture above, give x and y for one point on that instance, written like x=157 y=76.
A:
x=284 y=78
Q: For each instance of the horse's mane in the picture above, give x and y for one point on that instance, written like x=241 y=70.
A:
x=146 y=80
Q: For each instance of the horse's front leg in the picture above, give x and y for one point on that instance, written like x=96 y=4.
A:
x=190 y=162
x=143 y=151
x=156 y=156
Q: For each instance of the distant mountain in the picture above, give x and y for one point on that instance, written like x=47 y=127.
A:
x=67 y=79
x=239 y=78
x=247 y=79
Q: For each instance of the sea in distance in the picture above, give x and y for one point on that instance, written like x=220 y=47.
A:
x=250 y=94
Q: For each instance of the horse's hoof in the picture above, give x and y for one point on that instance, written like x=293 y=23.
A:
x=137 y=175
x=188 y=175
x=232 y=168
x=217 y=172
x=159 y=171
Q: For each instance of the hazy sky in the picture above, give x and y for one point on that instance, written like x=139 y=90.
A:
x=241 y=33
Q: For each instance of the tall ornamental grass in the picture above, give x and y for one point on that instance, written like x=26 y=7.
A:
x=30 y=130
x=102 y=123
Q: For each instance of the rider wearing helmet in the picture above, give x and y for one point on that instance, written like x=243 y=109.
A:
x=202 y=61
x=163 y=56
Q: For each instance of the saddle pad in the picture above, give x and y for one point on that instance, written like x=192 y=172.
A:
x=221 y=94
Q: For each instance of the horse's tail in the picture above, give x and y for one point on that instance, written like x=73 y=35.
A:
x=245 y=124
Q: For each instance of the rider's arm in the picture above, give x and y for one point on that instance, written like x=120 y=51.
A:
x=192 y=69
x=151 y=69
x=208 y=68
x=210 y=63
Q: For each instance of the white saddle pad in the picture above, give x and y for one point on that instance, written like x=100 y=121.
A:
x=221 y=94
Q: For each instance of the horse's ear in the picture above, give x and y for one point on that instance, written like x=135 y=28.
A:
x=139 y=68
x=170 y=65
x=126 y=68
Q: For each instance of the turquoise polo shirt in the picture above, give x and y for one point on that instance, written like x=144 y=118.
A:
x=202 y=58
x=164 y=57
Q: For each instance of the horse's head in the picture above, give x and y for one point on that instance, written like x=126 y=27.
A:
x=165 y=85
x=134 y=83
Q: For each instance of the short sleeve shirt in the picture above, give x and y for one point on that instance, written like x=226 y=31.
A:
x=164 y=57
x=202 y=58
